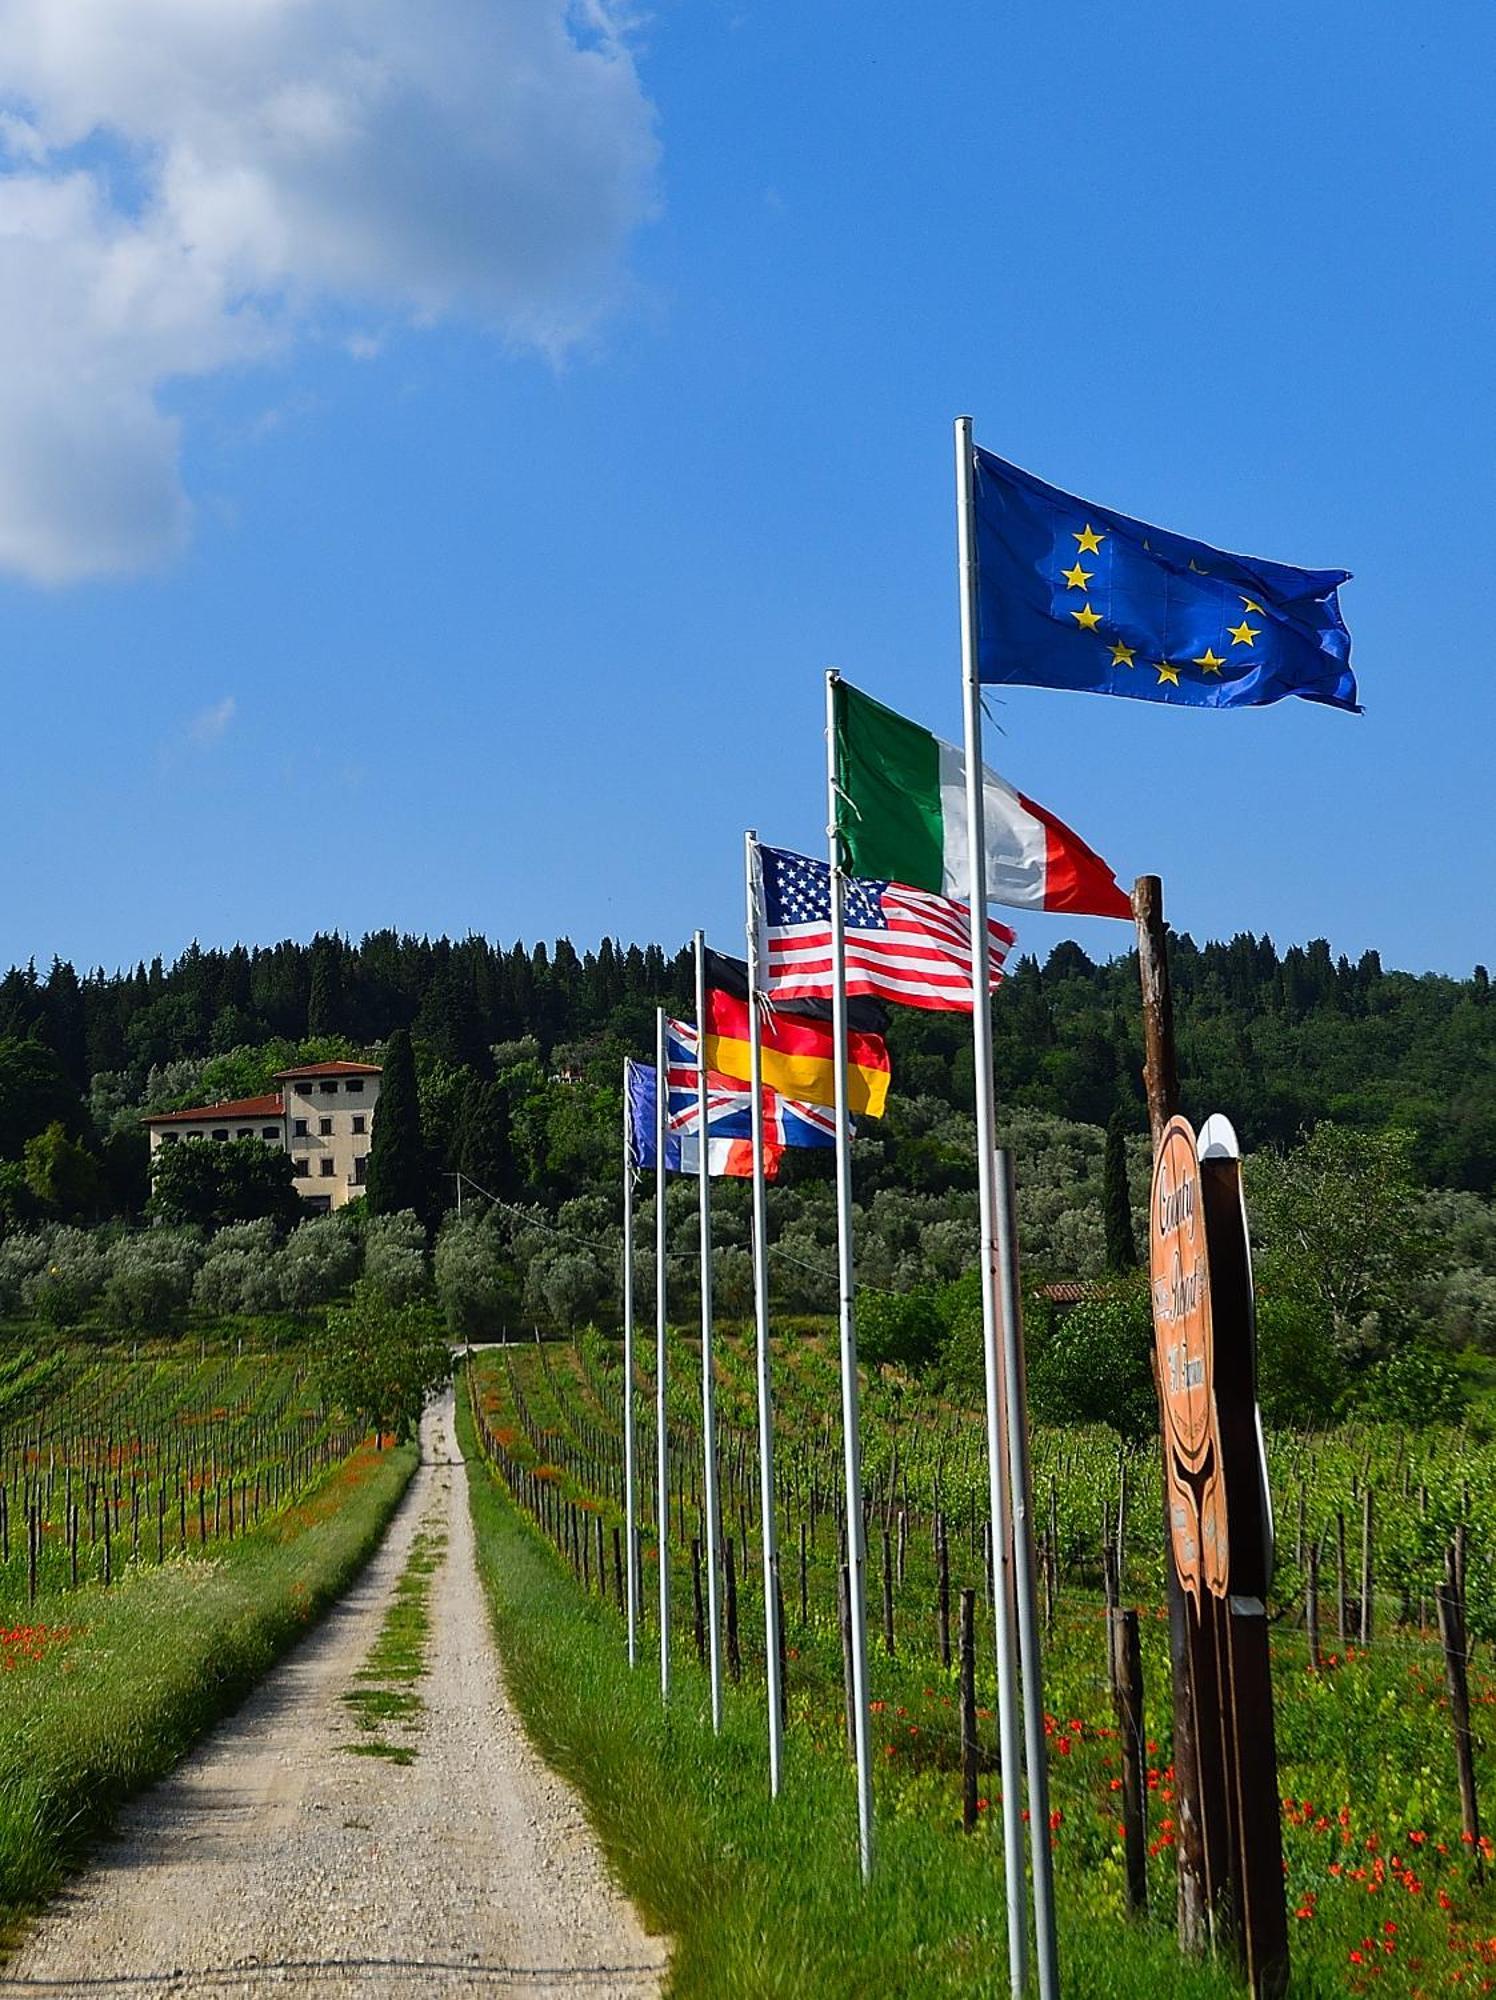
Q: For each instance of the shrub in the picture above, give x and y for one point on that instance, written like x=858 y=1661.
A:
x=471 y=1283
x=395 y=1256
x=1096 y=1366
x=241 y=1272
x=904 y=1328
x=320 y=1261
x=379 y=1362
x=151 y=1278
x=563 y=1286
x=1414 y=1386
x=1300 y=1376
x=66 y=1278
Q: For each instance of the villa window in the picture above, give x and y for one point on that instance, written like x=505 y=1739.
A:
x=324 y=1126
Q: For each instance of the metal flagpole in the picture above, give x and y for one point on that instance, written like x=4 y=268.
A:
x=999 y=1387
x=768 y=1523
x=1035 y=1745
x=851 y=1419
x=708 y=1383
x=662 y=1432
x=630 y=1507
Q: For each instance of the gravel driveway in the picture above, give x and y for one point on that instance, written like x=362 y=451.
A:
x=273 y=1862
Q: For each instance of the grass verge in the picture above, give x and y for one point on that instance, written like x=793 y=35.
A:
x=385 y=1698
x=117 y=1684
x=760 y=1897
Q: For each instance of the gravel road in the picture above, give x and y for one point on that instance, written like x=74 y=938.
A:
x=273 y=1862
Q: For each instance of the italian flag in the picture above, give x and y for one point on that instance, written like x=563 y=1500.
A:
x=902 y=816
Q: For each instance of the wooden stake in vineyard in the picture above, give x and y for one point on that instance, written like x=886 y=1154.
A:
x=1216 y=1510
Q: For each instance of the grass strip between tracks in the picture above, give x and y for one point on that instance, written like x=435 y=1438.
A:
x=117 y=1684
x=760 y=1897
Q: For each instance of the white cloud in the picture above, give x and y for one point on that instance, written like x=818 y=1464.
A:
x=183 y=186
x=204 y=730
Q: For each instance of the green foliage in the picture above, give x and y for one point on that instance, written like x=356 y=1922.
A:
x=207 y=1183
x=1116 y=1203
x=19 y=1207
x=1300 y=1376
x=63 y=1176
x=380 y=1363
x=320 y=1261
x=906 y=1328
x=474 y=1285
x=563 y=1285
x=34 y=1093
x=1414 y=1386
x=1096 y=1365
x=395 y=1257
x=1341 y=1227
x=401 y=1174
x=483 y=1146
x=150 y=1280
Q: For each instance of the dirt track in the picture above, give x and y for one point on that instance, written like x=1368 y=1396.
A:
x=274 y=1862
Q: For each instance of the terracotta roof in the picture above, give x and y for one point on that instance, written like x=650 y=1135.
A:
x=238 y=1107
x=329 y=1069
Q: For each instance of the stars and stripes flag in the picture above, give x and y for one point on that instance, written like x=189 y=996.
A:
x=904 y=945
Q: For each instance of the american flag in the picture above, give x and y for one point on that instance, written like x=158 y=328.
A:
x=903 y=944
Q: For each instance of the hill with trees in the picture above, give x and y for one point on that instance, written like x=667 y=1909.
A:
x=506 y=1064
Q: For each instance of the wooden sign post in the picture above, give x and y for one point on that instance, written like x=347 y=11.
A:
x=1217 y=1512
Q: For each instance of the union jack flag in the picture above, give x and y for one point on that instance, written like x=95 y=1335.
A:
x=787 y=1122
x=728 y=1152
x=903 y=944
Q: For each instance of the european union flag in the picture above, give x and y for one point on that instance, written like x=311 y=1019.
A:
x=1071 y=595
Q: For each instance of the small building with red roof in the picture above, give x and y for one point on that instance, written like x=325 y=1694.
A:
x=323 y=1115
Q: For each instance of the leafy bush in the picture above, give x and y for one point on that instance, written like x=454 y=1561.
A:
x=563 y=1286
x=379 y=1362
x=209 y=1183
x=67 y=1278
x=240 y=1272
x=320 y=1261
x=1096 y=1366
x=1414 y=1386
x=471 y=1280
x=905 y=1328
x=1300 y=1376
x=395 y=1256
x=151 y=1278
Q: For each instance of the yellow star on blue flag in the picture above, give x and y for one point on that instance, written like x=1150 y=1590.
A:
x=1223 y=631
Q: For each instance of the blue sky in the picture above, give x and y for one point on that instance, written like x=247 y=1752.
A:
x=495 y=600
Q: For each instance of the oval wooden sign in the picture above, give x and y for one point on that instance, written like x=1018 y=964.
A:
x=1179 y=1269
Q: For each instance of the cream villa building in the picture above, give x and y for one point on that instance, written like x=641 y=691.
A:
x=322 y=1115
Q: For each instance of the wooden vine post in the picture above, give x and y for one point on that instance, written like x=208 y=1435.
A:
x=1217 y=1518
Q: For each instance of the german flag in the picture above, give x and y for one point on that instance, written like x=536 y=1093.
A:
x=797 y=1042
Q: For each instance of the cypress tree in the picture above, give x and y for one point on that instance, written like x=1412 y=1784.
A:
x=324 y=1011
x=400 y=1170
x=1116 y=1207
x=484 y=1149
